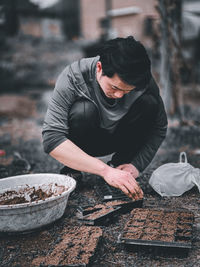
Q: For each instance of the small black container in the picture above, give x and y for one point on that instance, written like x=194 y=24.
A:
x=101 y=219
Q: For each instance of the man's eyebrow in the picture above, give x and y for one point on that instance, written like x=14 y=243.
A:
x=122 y=89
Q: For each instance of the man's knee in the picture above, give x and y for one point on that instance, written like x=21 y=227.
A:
x=83 y=113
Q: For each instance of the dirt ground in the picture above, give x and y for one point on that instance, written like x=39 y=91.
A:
x=21 y=117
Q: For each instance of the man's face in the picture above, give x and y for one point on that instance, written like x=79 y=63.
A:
x=112 y=87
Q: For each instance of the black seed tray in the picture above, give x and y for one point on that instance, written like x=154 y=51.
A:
x=124 y=207
x=155 y=243
x=148 y=227
x=107 y=193
x=102 y=218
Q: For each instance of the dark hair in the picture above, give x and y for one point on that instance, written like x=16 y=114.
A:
x=128 y=59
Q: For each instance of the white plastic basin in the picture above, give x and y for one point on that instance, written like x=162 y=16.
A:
x=32 y=215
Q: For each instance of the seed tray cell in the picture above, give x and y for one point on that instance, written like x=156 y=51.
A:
x=184 y=226
x=161 y=232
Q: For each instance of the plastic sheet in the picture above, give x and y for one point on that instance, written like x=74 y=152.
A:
x=173 y=179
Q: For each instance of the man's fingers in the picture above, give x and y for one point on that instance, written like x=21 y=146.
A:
x=138 y=190
x=141 y=193
x=126 y=191
x=134 y=189
x=134 y=185
x=129 y=190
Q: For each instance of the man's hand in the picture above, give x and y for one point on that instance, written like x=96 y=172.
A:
x=123 y=180
x=129 y=168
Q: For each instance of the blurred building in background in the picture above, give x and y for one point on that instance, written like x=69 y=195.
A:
x=112 y=18
x=55 y=20
x=90 y=22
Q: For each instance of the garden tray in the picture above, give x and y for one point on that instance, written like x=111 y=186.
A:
x=77 y=248
x=158 y=228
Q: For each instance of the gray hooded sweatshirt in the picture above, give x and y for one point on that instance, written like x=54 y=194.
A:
x=78 y=81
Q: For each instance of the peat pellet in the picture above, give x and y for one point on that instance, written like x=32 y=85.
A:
x=184 y=226
x=167 y=231
x=140 y=217
x=132 y=228
x=149 y=236
x=132 y=235
x=185 y=220
x=153 y=224
x=137 y=223
x=150 y=230
x=167 y=226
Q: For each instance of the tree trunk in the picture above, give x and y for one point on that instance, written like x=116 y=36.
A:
x=171 y=56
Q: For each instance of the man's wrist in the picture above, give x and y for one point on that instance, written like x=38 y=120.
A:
x=103 y=170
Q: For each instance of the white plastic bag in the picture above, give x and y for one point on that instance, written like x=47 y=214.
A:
x=173 y=179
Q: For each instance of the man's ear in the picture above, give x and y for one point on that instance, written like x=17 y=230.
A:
x=99 y=66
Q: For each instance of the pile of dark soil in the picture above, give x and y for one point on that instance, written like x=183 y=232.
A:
x=38 y=194
x=14 y=200
x=10 y=197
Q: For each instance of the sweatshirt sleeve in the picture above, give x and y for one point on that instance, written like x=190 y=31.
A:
x=55 y=128
x=158 y=134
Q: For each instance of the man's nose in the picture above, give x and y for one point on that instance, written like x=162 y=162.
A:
x=118 y=94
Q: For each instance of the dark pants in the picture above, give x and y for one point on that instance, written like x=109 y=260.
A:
x=131 y=133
